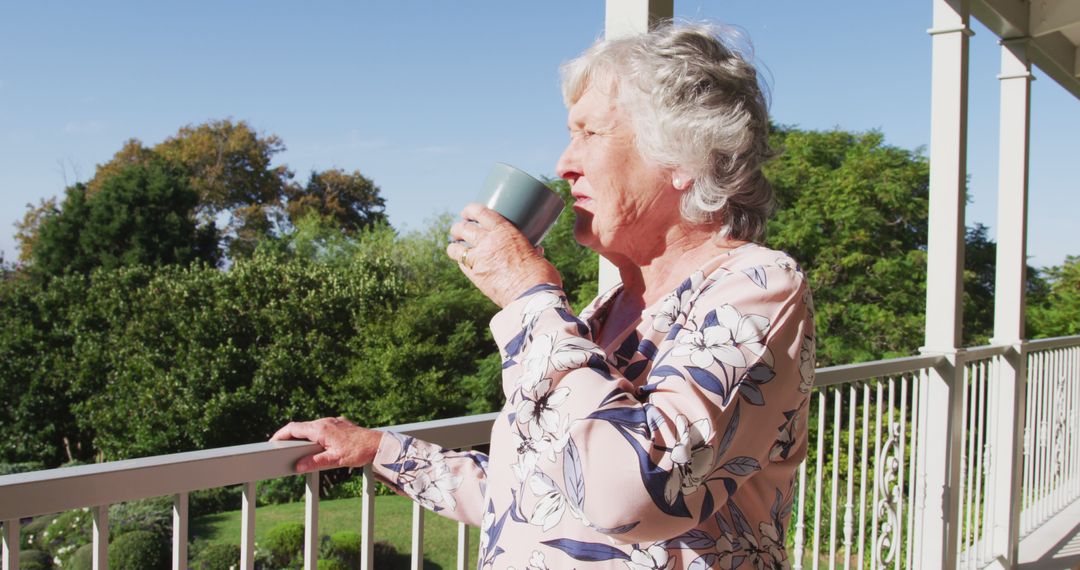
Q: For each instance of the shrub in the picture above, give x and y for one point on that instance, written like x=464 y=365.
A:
x=218 y=557
x=64 y=533
x=280 y=490
x=333 y=564
x=344 y=546
x=285 y=543
x=139 y=550
x=31 y=533
x=24 y=467
x=82 y=559
x=35 y=560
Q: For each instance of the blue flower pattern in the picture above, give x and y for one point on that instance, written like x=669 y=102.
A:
x=674 y=448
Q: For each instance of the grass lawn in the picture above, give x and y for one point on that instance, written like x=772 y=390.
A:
x=393 y=524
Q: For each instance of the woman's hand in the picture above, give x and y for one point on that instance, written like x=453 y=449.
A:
x=500 y=262
x=345 y=444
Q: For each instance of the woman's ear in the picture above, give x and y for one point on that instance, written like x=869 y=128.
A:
x=681 y=179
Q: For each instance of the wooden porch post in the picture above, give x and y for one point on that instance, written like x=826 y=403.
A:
x=1009 y=392
x=938 y=457
x=626 y=18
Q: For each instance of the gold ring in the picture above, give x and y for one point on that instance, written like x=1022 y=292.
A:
x=465 y=259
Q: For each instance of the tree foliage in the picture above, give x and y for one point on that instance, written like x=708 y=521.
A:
x=142 y=214
x=853 y=212
x=349 y=201
x=1058 y=312
x=138 y=344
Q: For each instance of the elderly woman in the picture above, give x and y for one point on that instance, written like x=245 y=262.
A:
x=661 y=427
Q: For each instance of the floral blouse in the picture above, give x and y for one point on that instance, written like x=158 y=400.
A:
x=674 y=447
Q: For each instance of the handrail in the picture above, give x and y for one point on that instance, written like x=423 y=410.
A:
x=56 y=490
x=1051 y=343
x=842 y=373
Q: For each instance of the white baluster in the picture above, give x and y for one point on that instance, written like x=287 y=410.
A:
x=311 y=520
x=101 y=537
x=417 y=536
x=865 y=470
x=800 y=525
x=834 y=495
x=462 y=546
x=180 y=531
x=849 y=506
x=818 y=477
x=367 y=520
x=247 y=527
x=11 y=545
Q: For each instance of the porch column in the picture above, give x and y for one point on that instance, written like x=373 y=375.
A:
x=626 y=18
x=939 y=419
x=1009 y=392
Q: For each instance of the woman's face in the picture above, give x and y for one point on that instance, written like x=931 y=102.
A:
x=623 y=201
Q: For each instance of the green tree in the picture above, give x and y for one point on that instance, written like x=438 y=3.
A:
x=349 y=201
x=228 y=164
x=37 y=365
x=853 y=212
x=143 y=214
x=1056 y=312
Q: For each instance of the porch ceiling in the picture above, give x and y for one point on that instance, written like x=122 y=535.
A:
x=1053 y=27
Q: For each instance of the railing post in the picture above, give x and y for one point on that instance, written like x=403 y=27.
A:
x=626 y=18
x=937 y=485
x=1009 y=392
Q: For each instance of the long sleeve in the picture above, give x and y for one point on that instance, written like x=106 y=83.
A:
x=450 y=483
x=647 y=443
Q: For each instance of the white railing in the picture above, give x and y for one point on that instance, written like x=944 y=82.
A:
x=975 y=517
x=1051 y=478
x=99 y=486
x=857 y=504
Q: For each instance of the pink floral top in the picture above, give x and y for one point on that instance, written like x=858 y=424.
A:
x=674 y=447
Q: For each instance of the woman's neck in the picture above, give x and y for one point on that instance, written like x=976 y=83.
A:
x=648 y=277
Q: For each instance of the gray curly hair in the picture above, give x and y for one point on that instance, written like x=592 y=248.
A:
x=696 y=104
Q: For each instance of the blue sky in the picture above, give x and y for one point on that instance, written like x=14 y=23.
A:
x=423 y=96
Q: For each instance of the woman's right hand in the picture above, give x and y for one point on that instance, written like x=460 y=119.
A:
x=344 y=443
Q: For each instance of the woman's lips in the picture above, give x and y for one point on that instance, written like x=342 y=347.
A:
x=581 y=199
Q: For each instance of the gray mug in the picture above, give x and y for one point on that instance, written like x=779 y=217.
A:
x=525 y=201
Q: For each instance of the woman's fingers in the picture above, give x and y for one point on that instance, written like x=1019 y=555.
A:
x=324 y=460
x=467 y=231
x=295 y=430
x=485 y=217
x=456 y=251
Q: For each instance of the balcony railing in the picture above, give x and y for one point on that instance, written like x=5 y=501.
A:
x=858 y=501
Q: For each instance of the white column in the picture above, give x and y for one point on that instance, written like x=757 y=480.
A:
x=626 y=18
x=1010 y=390
x=938 y=474
x=629 y=17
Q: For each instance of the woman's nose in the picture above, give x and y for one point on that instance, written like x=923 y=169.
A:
x=567 y=167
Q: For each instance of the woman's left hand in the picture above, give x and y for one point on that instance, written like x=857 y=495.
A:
x=344 y=443
x=500 y=262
